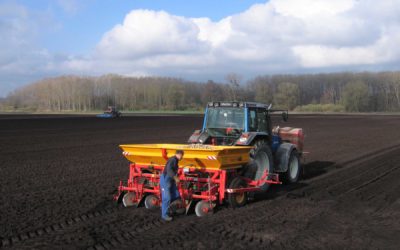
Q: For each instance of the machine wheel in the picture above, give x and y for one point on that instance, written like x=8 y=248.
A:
x=203 y=208
x=292 y=175
x=128 y=198
x=237 y=199
x=177 y=207
x=151 y=202
x=261 y=162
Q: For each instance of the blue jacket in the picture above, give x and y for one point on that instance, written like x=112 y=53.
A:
x=171 y=168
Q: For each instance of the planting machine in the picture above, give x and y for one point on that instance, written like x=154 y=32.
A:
x=237 y=152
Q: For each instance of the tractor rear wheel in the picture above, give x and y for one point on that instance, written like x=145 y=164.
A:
x=151 y=202
x=293 y=173
x=237 y=199
x=261 y=163
x=128 y=199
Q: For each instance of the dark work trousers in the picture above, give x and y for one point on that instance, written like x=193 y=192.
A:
x=169 y=193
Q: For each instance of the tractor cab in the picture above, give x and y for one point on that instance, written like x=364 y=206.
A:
x=235 y=123
x=111 y=110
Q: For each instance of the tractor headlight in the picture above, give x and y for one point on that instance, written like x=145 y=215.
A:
x=243 y=138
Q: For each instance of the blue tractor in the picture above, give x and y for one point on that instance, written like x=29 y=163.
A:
x=110 y=112
x=275 y=150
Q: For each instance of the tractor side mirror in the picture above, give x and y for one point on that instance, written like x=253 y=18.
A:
x=285 y=116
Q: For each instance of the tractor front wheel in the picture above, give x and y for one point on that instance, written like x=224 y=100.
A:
x=261 y=165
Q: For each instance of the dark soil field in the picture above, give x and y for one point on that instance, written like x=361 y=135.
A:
x=59 y=174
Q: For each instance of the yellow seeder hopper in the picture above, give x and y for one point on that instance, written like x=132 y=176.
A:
x=197 y=156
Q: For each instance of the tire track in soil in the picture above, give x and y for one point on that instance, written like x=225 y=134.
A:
x=371 y=181
x=343 y=172
x=354 y=161
x=190 y=227
x=62 y=225
x=144 y=234
x=83 y=223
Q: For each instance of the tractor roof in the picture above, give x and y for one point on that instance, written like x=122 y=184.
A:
x=239 y=104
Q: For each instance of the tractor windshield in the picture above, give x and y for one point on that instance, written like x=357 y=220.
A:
x=221 y=119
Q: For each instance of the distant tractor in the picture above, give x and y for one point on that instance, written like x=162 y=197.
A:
x=110 y=112
x=236 y=153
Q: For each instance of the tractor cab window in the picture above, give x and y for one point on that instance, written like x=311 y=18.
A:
x=252 y=120
x=262 y=120
x=257 y=120
x=219 y=119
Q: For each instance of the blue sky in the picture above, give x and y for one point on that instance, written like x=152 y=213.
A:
x=195 y=40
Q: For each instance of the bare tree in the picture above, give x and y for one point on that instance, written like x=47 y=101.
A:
x=358 y=91
x=234 y=83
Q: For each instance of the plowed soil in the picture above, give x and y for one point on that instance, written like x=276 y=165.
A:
x=58 y=176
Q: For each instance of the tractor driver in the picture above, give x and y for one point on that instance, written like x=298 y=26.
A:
x=168 y=181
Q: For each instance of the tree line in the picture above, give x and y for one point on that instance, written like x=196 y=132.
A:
x=353 y=92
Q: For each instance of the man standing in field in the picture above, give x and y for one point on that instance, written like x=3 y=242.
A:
x=168 y=181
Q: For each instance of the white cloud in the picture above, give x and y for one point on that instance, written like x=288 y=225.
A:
x=215 y=33
x=279 y=36
x=147 y=33
x=312 y=9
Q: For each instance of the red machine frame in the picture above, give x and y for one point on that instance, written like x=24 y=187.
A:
x=144 y=180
